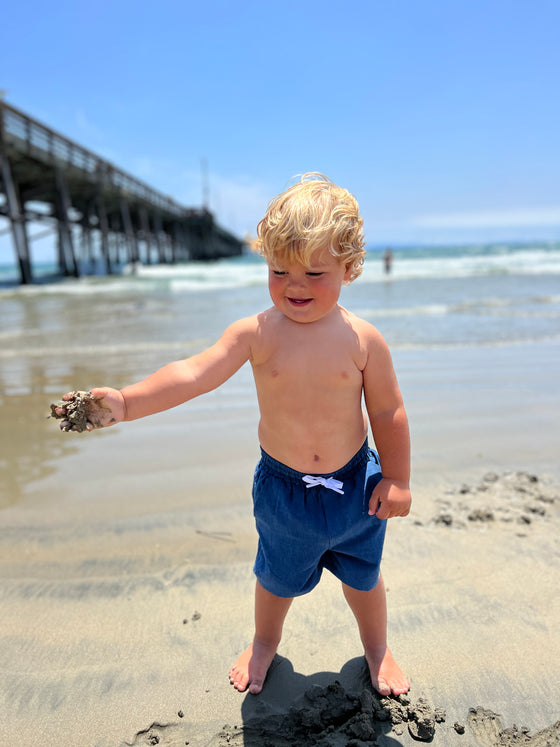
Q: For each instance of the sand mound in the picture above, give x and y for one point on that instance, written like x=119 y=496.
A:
x=515 y=498
x=331 y=713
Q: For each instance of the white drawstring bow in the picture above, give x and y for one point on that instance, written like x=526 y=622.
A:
x=327 y=482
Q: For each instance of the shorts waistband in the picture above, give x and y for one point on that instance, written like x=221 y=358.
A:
x=282 y=470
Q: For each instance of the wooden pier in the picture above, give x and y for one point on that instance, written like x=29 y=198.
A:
x=99 y=213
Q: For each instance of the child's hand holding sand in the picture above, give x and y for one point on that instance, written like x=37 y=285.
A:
x=86 y=411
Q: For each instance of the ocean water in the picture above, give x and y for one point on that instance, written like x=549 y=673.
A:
x=439 y=296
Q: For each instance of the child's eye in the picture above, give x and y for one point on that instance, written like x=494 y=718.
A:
x=314 y=274
x=278 y=273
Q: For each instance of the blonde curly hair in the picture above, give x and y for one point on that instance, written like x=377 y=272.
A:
x=313 y=214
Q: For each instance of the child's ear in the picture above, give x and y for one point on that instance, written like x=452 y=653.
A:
x=348 y=272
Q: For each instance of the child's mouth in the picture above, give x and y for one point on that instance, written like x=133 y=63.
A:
x=299 y=301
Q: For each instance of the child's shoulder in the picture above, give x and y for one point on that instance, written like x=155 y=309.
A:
x=242 y=329
x=254 y=326
x=365 y=331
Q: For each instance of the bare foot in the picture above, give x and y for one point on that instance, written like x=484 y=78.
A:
x=251 y=667
x=386 y=675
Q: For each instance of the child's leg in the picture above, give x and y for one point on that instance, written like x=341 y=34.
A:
x=370 y=610
x=251 y=667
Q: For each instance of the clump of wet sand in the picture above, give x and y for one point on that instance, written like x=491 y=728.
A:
x=79 y=412
x=332 y=711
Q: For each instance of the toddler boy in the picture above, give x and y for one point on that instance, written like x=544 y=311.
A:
x=321 y=495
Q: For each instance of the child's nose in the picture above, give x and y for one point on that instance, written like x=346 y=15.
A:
x=297 y=281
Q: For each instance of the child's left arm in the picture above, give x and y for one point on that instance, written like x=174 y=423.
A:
x=389 y=424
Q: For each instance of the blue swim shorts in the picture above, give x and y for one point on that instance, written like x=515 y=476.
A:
x=310 y=522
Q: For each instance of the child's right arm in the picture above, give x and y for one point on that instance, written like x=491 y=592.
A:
x=176 y=382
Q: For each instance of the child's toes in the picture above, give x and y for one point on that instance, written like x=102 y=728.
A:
x=237 y=679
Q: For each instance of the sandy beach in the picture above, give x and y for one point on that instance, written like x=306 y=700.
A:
x=120 y=618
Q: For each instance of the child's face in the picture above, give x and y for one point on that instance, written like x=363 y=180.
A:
x=307 y=294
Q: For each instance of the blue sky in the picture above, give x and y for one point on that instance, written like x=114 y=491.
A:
x=441 y=116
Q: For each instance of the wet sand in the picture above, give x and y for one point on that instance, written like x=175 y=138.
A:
x=126 y=581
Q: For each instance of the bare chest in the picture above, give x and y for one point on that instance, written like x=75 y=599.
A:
x=297 y=366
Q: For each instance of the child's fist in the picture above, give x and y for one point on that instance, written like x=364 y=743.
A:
x=390 y=498
x=86 y=411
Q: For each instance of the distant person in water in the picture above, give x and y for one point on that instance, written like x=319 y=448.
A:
x=388 y=261
x=321 y=495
